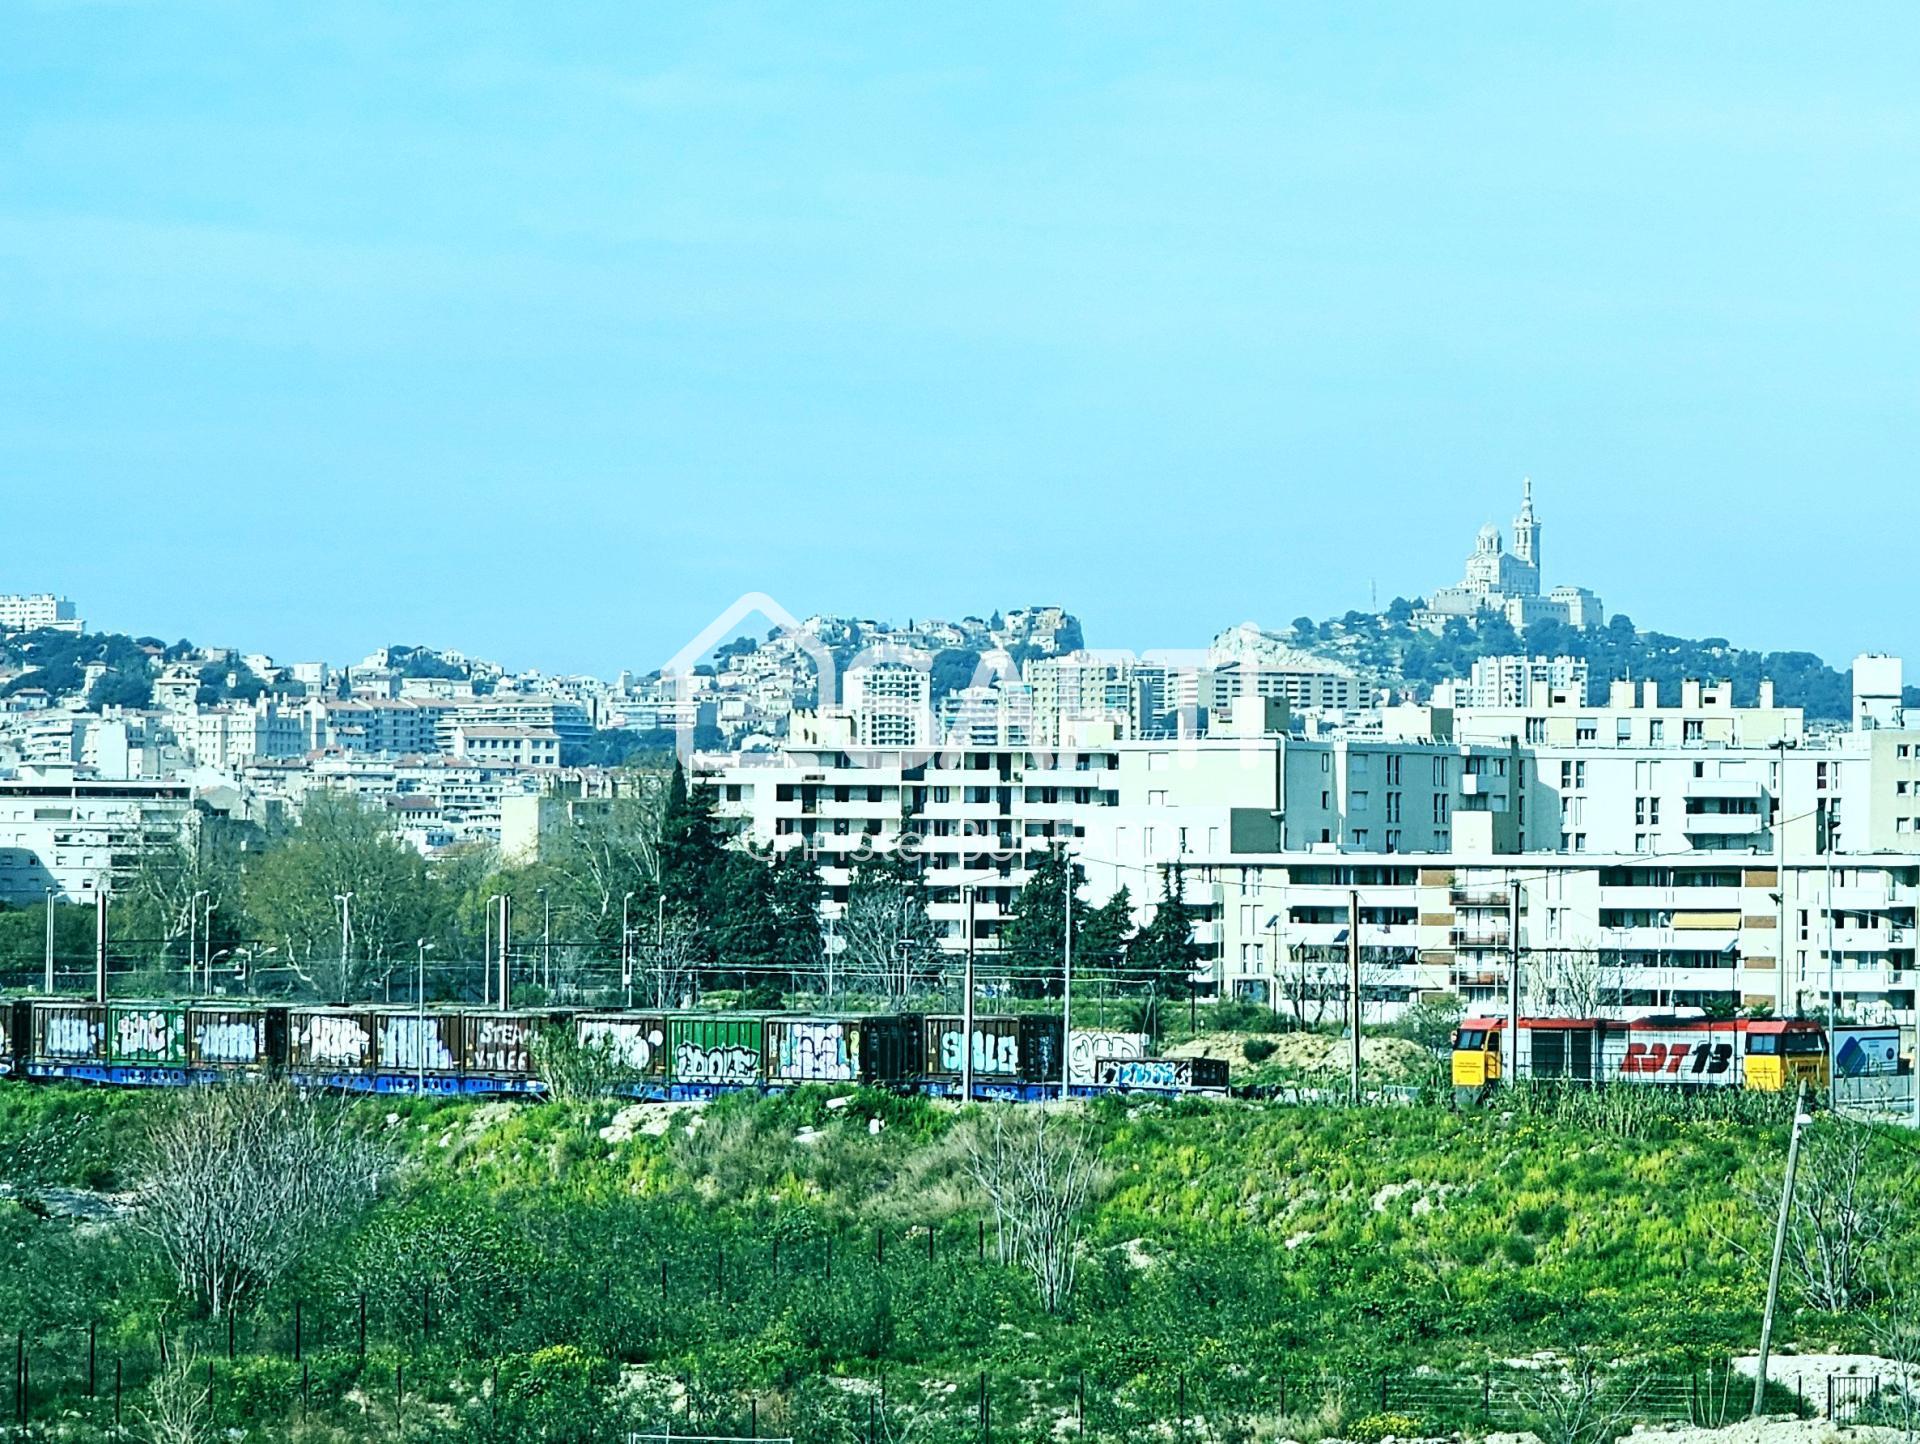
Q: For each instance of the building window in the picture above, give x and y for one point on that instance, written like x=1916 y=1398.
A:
x=1359 y=838
x=1657 y=730
x=1536 y=729
x=1623 y=729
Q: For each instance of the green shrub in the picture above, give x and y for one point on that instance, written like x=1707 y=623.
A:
x=1372 y=1428
x=1258 y=1050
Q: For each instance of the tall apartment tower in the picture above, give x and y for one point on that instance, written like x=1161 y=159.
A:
x=1526 y=530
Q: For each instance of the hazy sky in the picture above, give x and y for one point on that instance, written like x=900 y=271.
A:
x=546 y=331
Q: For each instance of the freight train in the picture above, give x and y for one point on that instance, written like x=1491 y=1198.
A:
x=1758 y=1055
x=653 y=1055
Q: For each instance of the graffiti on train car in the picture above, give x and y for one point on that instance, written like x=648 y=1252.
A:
x=498 y=1045
x=1143 y=1073
x=816 y=1052
x=993 y=1053
x=331 y=1039
x=416 y=1043
x=693 y=1063
x=149 y=1033
x=635 y=1046
x=226 y=1040
x=1091 y=1044
x=70 y=1035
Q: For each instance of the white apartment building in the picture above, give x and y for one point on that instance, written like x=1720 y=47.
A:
x=890 y=702
x=1510 y=682
x=22 y=612
x=516 y=747
x=61 y=828
x=996 y=716
x=1080 y=687
x=229 y=735
x=567 y=720
x=1685 y=853
x=1322 y=685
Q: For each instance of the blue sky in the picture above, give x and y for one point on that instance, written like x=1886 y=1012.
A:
x=548 y=331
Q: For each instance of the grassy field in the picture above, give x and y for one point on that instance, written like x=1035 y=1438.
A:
x=821 y=1265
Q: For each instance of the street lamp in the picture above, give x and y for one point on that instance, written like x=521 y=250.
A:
x=626 y=947
x=486 y=953
x=193 y=924
x=49 y=942
x=206 y=940
x=345 y=899
x=546 y=941
x=420 y=997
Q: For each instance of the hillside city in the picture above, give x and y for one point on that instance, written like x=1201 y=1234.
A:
x=1497 y=769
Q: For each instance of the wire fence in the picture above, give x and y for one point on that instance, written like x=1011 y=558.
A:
x=344 y=1362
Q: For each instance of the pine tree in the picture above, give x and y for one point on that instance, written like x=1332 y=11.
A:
x=1164 y=954
x=742 y=924
x=692 y=842
x=1033 y=942
x=1109 y=929
x=797 y=891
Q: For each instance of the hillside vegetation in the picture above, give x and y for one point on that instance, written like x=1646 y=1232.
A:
x=819 y=1263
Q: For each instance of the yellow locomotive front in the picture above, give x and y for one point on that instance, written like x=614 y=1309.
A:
x=1780 y=1055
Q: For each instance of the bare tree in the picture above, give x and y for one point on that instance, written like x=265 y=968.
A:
x=1844 y=1211
x=1897 y=1340
x=237 y=1182
x=1568 y=982
x=1038 y=1169
x=179 y=1406
x=1578 y=1404
x=890 y=944
x=674 y=960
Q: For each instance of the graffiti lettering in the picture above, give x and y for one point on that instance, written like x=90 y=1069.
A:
x=226 y=1042
x=819 y=1052
x=631 y=1045
x=499 y=1046
x=414 y=1043
x=1089 y=1046
x=342 y=1042
x=992 y=1052
x=1145 y=1072
x=149 y=1034
x=695 y=1064
x=70 y=1035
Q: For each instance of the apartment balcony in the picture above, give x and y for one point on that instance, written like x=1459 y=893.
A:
x=1723 y=824
x=1479 y=939
x=1690 y=940
x=1867 y=940
x=1863 y=980
x=1741 y=787
x=1876 y=895
x=1480 y=895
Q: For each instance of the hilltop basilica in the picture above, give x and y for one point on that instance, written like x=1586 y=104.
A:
x=1508 y=582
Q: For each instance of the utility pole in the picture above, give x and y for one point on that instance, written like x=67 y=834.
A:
x=1779 y=1247
x=1066 y=987
x=100 y=946
x=206 y=943
x=546 y=943
x=1780 y=878
x=506 y=965
x=486 y=952
x=49 y=942
x=1513 y=981
x=1353 y=989
x=626 y=947
x=345 y=899
x=966 y=1006
x=420 y=1042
